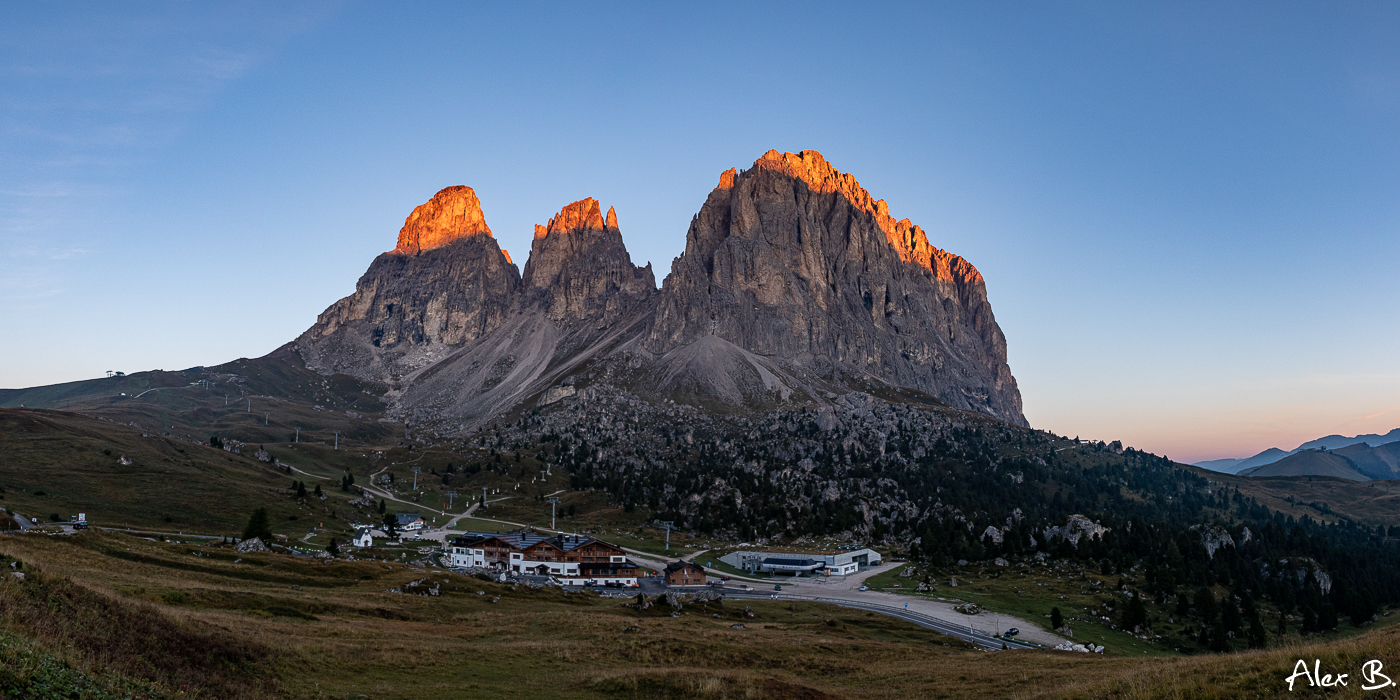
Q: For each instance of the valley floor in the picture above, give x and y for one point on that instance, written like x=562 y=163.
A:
x=309 y=629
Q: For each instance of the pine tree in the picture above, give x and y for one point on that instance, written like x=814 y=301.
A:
x=1205 y=606
x=1326 y=617
x=1057 y=620
x=381 y=506
x=1230 y=615
x=1133 y=615
x=258 y=526
x=318 y=490
x=1258 y=638
x=1282 y=623
x=1219 y=642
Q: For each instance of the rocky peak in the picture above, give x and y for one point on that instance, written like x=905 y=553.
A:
x=581 y=217
x=442 y=285
x=452 y=214
x=578 y=264
x=794 y=259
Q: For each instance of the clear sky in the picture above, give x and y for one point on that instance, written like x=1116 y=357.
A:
x=1187 y=214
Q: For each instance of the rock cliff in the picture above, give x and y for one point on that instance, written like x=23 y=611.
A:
x=446 y=284
x=795 y=262
x=795 y=285
x=580 y=271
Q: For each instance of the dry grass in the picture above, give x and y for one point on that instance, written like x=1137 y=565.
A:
x=519 y=643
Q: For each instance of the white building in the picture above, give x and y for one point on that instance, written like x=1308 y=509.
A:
x=839 y=563
x=573 y=560
x=363 y=537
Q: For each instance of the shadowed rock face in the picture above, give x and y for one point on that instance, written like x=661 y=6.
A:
x=447 y=284
x=579 y=269
x=794 y=261
x=794 y=283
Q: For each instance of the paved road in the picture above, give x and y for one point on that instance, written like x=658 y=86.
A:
x=962 y=632
x=986 y=623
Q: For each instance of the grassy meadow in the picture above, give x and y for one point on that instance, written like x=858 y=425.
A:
x=137 y=618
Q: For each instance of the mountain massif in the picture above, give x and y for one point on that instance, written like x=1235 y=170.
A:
x=795 y=286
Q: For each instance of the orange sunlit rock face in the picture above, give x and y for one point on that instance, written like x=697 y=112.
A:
x=452 y=214
x=908 y=240
x=583 y=215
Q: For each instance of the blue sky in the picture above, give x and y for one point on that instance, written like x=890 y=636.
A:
x=1188 y=214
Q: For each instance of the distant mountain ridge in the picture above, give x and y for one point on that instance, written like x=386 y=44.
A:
x=795 y=286
x=1358 y=462
x=1274 y=454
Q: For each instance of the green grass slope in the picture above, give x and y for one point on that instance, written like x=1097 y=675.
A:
x=61 y=463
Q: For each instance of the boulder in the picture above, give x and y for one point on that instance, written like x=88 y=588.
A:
x=251 y=544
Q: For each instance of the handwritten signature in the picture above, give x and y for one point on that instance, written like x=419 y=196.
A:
x=1370 y=674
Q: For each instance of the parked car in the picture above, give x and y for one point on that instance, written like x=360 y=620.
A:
x=777 y=587
x=724 y=578
x=864 y=588
x=1012 y=632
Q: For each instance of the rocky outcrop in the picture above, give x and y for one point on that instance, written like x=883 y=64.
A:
x=794 y=261
x=1214 y=538
x=446 y=284
x=1077 y=527
x=579 y=271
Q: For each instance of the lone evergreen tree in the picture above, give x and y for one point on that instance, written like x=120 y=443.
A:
x=1056 y=619
x=258 y=526
x=1326 y=617
x=381 y=506
x=1134 y=614
x=1230 y=616
x=1218 y=641
x=1258 y=638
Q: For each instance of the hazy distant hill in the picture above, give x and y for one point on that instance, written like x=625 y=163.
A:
x=1274 y=454
x=1332 y=442
x=1382 y=462
x=1359 y=462
x=1309 y=463
x=1235 y=466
